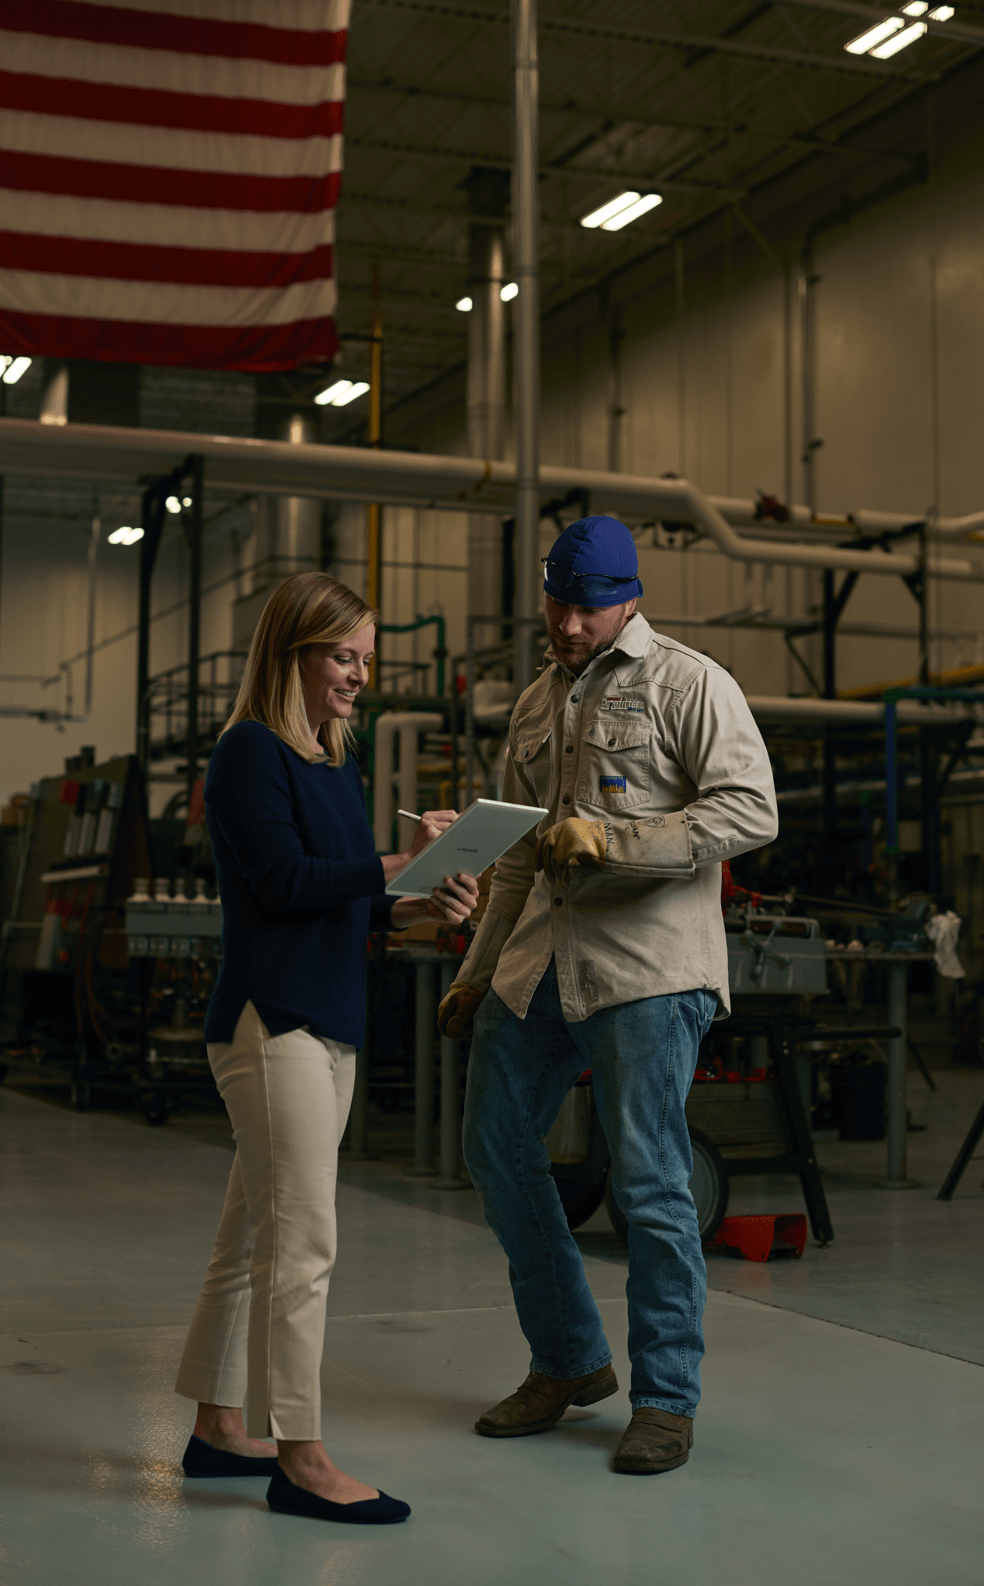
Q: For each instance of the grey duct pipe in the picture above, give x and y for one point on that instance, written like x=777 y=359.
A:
x=455 y=484
x=526 y=343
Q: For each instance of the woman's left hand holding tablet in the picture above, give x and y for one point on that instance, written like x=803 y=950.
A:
x=450 y=903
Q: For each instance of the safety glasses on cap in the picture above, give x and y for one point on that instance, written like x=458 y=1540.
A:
x=586 y=583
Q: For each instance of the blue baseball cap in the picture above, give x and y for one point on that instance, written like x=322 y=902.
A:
x=593 y=563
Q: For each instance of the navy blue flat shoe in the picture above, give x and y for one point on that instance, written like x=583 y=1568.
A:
x=284 y=1498
x=201 y=1459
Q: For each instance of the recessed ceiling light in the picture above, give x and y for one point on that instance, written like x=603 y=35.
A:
x=173 y=504
x=916 y=8
x=942 y=13
x=464 y=305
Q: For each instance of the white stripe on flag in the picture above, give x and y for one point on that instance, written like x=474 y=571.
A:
x=68 y=137
x=164 y=225
x=161 y=302
x=208 y=75
x=303 y=16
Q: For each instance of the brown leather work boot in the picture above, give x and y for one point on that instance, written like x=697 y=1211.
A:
x=541 y=1401
x=654 y=1440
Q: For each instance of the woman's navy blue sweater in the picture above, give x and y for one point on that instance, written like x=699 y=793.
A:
x=300 y=884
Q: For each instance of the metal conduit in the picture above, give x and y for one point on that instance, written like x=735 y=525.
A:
x=456 y=484
x=527 y=337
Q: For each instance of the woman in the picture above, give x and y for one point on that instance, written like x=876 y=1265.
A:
x=301 y=886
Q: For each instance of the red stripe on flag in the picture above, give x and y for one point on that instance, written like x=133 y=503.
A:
x=184 y=35
x=248 y=347
x=129 y=261
x=159 y=107
x=153 y=184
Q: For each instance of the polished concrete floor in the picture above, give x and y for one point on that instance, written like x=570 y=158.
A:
x=838 y=1440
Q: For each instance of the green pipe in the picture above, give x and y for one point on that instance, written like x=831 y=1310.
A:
x=440 y=651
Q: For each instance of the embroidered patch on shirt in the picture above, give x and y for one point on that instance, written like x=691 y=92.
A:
x=618 y=702
x=612 y=784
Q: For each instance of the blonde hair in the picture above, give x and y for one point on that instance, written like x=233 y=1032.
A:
x=310 y=608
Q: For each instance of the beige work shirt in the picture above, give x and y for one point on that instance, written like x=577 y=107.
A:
x=659 y=743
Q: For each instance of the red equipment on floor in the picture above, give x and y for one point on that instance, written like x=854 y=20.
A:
x=757 y=1238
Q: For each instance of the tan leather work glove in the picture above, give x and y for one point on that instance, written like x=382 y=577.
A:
x=457 y=1009
x=568 y=844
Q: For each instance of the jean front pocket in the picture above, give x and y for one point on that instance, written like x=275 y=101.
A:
x=616 y=765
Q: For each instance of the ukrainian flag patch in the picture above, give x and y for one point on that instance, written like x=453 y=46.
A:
x=612 y=784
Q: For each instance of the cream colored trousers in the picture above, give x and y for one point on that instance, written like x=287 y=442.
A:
x=259 y=1325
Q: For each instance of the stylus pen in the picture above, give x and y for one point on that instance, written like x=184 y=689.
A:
x=408 y=815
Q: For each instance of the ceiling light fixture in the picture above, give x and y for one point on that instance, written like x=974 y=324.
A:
x=173 y=504
x=917 y=8
x=125 y=536
x=942 y=13
x=509 y=291
x=871 y=36
x=342 y=393
x=15 y=368
x=464 y=305
x=620 y=211
x=900 y=41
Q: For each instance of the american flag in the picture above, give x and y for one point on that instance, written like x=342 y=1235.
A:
x=169 y=171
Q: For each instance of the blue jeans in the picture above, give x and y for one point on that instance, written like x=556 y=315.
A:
x=642 y=1056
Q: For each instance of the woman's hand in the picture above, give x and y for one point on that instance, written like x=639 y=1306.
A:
x=430 y=825
x=451 y=904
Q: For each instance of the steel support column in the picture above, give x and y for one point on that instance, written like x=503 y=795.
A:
x=193 y=534
x=526 y=341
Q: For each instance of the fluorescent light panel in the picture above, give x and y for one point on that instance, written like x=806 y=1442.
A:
x=15 y=368
x=625 y=217
x=917 y=8
x=871 y=36
x=464 y=305
x=942 y=13
x=341 y=393
x=620 y=211
x=509 y=291
x=125 y=536
x=900 y=41
x=358 y=389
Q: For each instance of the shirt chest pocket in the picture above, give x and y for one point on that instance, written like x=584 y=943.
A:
x=616 y=768
x=532 y=756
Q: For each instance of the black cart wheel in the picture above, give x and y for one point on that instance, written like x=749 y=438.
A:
x=709 y=1187
x=579 y=1200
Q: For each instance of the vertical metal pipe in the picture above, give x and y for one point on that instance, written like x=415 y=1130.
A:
x=91 y=625
x=423 y=1155
x=468 y=790
x=194 y=533
x=486 y=396
x=897 y=1118
x=527 y=331
x=374 y=436
x=451 y=1175
x=891 y=780
x=358 y=1124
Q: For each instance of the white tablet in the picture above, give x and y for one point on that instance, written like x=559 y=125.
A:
x=476 y=840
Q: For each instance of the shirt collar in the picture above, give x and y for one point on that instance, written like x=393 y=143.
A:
x=632 y=641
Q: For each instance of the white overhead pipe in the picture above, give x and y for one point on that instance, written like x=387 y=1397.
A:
x=457 y=484
x=779 y=710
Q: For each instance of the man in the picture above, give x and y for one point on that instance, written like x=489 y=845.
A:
x=603 y=947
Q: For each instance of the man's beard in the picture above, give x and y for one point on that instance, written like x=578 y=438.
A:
x=579 y=662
